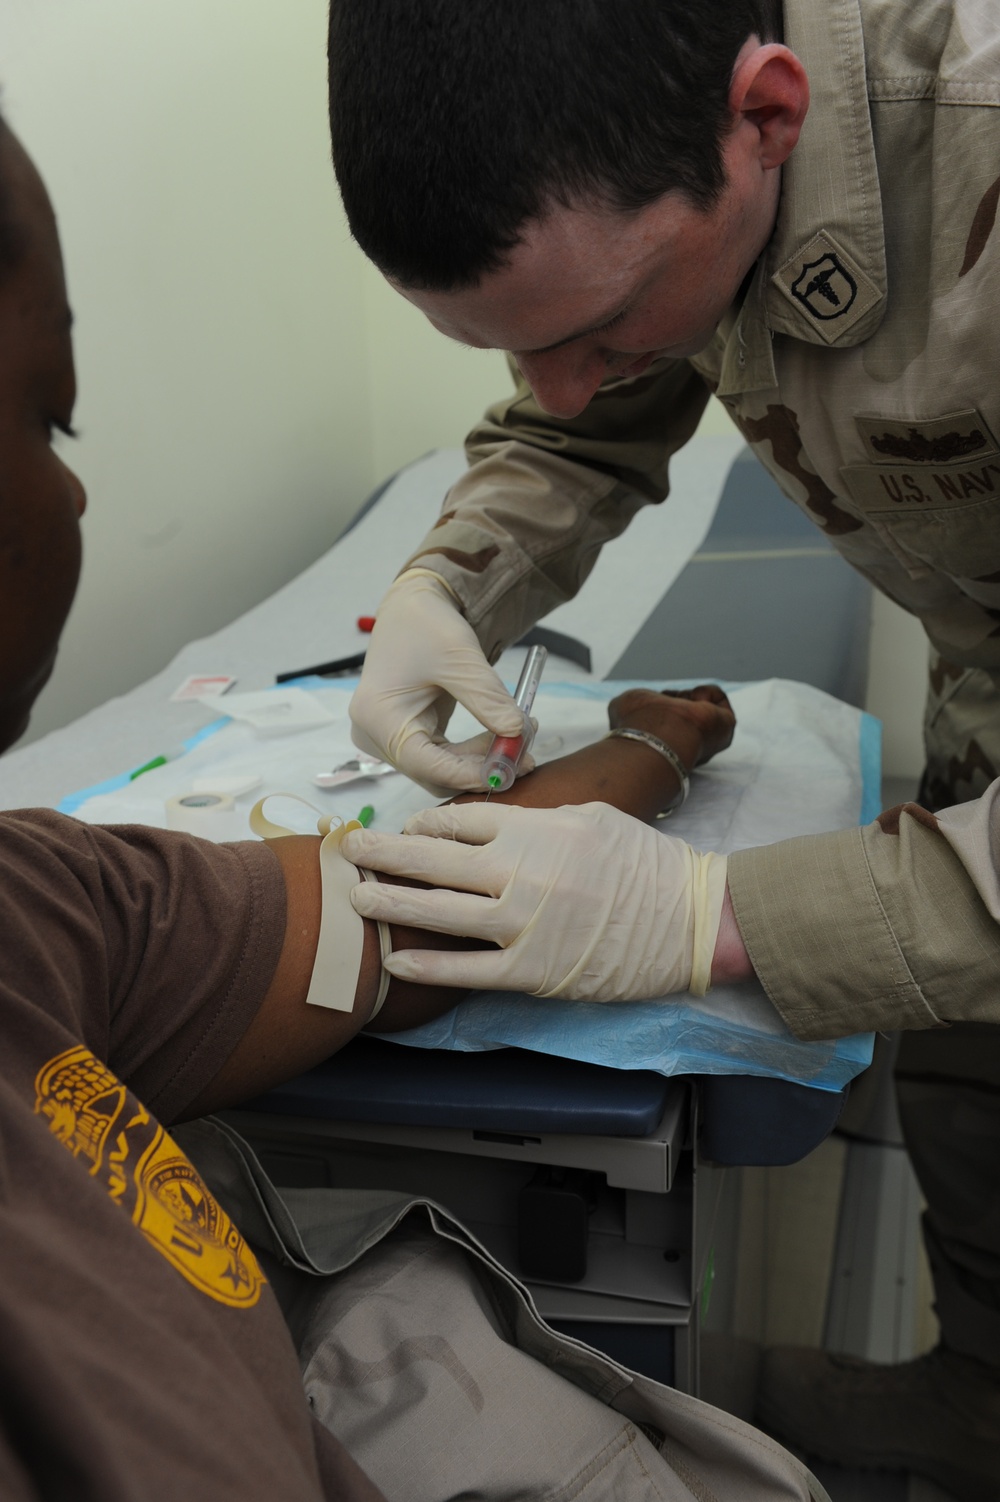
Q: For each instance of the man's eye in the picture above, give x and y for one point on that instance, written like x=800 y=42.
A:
x=613 y=322
x=56 y=425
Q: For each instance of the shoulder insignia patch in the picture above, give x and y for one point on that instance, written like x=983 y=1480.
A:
x=144 y=1171
x=826 y=287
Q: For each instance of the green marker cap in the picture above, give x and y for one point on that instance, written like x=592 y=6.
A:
x=149 y=766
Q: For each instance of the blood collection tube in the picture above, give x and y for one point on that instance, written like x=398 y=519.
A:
x=502 y=760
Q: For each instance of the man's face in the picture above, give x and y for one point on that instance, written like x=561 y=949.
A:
x=591 y=293
x=41 y=501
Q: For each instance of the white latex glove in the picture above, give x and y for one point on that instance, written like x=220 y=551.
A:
x=586 y=903
x=423 y=656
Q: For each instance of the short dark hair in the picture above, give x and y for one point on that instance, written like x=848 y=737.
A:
x=456 y=122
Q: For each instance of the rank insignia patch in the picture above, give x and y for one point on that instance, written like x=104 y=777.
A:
x=932 y=440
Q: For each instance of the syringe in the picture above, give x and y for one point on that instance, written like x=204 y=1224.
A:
x=504 y=756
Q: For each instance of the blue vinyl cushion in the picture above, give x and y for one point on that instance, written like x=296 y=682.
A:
x=504 y=1090
x=744 y=1120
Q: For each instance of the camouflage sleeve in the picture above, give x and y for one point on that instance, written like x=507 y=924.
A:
x=896 y=925
x=522 y=529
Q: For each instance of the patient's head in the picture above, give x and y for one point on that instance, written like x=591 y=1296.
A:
x=41 y=501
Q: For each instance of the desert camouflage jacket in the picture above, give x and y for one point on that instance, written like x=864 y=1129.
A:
x=862 y=366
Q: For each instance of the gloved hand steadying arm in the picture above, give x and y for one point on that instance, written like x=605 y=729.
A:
x=586 y=903
x=423 y=657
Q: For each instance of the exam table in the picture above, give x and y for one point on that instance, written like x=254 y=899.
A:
x=605 y=1190
x=608 y=1191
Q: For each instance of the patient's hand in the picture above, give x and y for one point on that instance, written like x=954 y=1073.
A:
x=696 y=722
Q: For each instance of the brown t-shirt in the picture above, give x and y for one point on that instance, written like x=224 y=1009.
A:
x=142 y=1354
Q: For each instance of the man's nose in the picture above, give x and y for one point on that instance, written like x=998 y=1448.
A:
x=563 y=380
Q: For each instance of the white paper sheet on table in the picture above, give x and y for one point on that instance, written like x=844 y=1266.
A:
x=313 y=618
x=800 y=763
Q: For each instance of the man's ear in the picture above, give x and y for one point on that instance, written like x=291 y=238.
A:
x=770 y=90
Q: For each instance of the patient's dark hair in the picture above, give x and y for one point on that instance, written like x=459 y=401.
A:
x=455 y=122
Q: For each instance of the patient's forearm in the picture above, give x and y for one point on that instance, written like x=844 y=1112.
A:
x=287 y=1036
x=629 y=775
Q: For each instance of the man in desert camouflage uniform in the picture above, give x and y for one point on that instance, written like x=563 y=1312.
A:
x=859 y=357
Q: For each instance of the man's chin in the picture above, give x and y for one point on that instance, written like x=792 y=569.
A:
x=16 y=707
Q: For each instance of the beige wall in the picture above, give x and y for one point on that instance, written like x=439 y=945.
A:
x=224 y=406
x=425 y=391
x=245 y=376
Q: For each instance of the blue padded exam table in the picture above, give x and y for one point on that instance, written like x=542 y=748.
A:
x=745 y=1120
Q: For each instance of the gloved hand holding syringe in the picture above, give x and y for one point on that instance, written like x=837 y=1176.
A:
x=504 y=756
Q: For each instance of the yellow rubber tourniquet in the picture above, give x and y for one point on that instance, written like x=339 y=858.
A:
x=342 y=930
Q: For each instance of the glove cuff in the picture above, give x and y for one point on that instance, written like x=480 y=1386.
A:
x=708 y=894
x=428 y=573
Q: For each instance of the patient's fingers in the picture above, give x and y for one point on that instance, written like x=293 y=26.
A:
x=441 y=912
x=705 y=693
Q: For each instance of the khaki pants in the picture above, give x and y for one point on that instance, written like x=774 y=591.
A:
x=948 y=1081
x=427 y=1359
x=948 y=1088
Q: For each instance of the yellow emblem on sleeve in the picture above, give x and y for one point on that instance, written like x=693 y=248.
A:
x=144 y=1171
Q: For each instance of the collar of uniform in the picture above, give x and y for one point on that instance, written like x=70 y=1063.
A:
x=743 y=339
x=824 y=268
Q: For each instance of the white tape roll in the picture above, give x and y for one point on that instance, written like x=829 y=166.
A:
x=210 y=815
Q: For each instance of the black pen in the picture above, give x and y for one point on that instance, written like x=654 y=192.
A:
x=324 y=669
